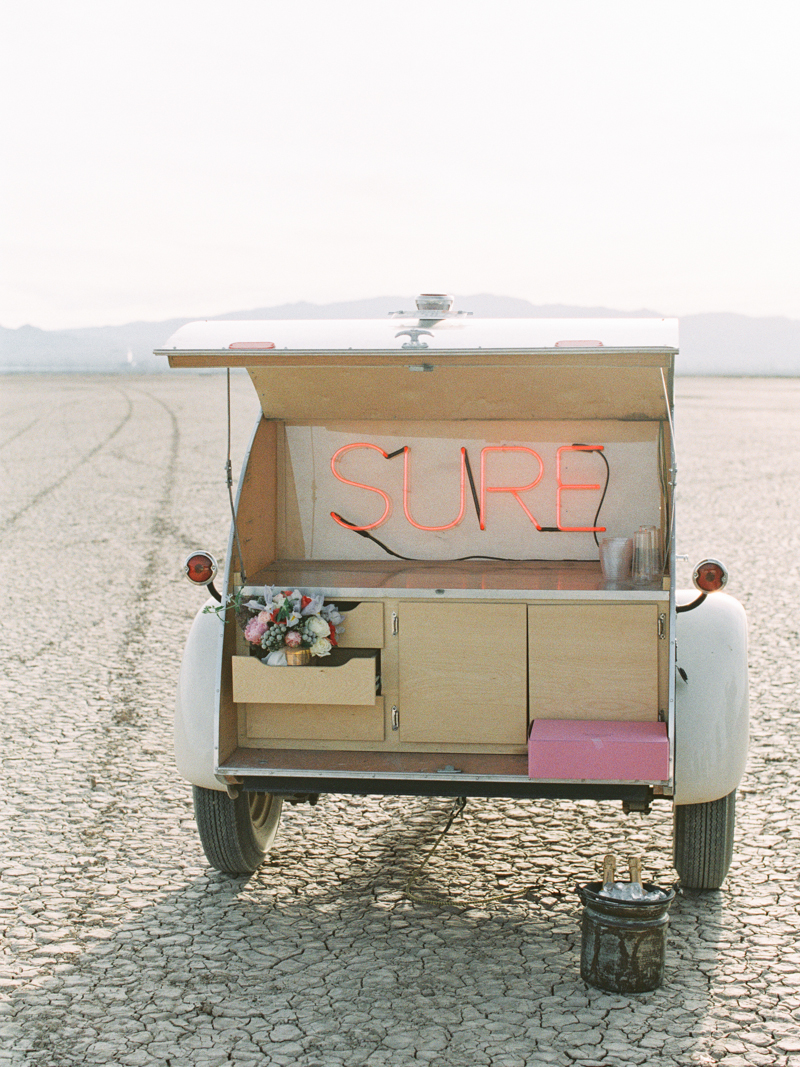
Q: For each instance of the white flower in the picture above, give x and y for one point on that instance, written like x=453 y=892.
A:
x=330 y=613
x=293 y=619
x=317 y=626
x=321 y=647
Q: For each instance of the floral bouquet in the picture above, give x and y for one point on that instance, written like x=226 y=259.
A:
x=283 y=619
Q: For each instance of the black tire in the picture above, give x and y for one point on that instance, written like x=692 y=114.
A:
x=236 y=834
x=703 y=841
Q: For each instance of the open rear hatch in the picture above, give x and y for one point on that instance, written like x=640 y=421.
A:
x=445 y=481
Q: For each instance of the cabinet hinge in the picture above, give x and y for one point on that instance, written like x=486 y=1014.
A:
x=662 y=626
x=395 y=623
x=395 y=717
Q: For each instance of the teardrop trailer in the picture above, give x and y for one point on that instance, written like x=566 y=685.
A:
x=443 y=484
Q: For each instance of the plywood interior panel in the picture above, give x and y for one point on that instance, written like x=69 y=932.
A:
x=256 y=512
x=462 y=671
x=336 y=468
x=291 y=544
x=466 y=388
x=593 y=661
x=228 y=720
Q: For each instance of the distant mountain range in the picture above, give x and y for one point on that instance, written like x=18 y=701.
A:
x=714 y=343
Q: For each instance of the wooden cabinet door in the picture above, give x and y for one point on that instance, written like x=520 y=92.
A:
x=463 y=673
x=593 y=661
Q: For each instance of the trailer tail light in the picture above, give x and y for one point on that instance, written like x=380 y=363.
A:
x=710 y=576
x=200 y=568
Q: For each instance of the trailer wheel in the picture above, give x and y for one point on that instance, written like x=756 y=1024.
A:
x=236 y=834
x=703 y=841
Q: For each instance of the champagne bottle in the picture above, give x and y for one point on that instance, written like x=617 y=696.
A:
x=635 y=867
x=609 y=867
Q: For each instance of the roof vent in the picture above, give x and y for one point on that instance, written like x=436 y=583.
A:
x=431 y=308
x=434 y=302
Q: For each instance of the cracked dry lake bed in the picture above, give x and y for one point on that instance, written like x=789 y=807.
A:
x=121 y=946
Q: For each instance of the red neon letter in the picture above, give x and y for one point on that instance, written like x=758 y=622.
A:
x=407 y=513
x=360 y=485
x=562 y=487
x=515 y=490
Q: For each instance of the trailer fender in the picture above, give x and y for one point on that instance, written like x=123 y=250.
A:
x=711 y=703
x=196 y=701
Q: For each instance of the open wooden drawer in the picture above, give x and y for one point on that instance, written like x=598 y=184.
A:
x=351 y=682
x=332 y=702
x=335 y=698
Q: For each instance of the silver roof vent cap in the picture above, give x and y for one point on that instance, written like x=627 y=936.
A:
x=434 y=302
x=431 y=308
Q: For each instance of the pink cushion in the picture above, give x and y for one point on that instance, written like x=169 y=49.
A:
x=580 y=750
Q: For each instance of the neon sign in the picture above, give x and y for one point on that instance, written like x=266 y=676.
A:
x=407 y=513
x=514 y=490
x=360 y=485
x=563 y=486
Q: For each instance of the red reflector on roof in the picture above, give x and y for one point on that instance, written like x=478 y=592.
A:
x=577 y=344
x=250 y=345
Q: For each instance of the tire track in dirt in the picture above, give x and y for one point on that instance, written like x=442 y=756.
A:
x=20 y=432
x=117 y=739
x=133 y=640
x=38 y=497
x=35 y=422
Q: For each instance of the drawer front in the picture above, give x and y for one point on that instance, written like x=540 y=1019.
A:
x=314 y=722
x=350 y=683
x=363 y=627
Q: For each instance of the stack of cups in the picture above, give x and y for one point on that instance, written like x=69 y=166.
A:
x=646 y=555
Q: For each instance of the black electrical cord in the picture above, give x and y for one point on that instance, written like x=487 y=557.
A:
x=412 y=559
x=369 y=537
x=472 y=485
x=692 y=604
x=602 y=456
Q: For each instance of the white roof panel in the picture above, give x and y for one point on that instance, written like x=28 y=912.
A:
x=457 y=333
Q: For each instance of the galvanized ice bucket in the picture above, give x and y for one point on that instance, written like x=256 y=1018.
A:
x=623 y=941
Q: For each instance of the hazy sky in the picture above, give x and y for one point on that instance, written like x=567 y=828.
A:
x=166 y=157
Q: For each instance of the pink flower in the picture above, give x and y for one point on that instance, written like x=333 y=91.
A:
x=293 y=639
x=256 y=628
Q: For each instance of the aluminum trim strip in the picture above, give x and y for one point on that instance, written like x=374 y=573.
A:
x=275 y=772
